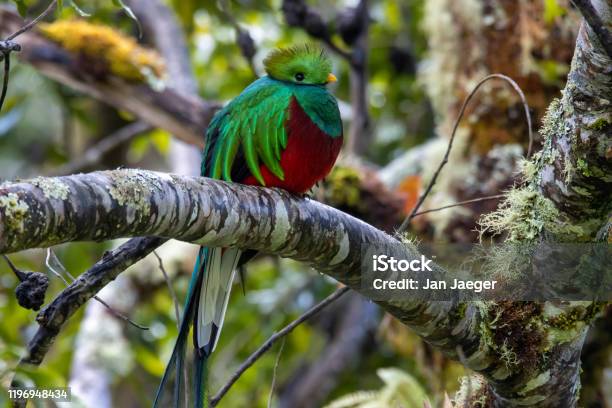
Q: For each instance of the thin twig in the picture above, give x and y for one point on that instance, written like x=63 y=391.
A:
x=20 y=275
x=348 y=56
x=467 y=100
x=460 y=203
x=247 y=49
x=273 y=385
x=54 y=316
x=32 y=23
x=120 y=315
x=95 y=153
x=177 y=310
x=51 y=256
x=7 y=46
x=273 y=339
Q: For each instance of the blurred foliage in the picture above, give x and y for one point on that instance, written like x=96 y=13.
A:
x=44 y=125
x=400 y=390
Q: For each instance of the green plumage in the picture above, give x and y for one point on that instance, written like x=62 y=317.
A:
x=254 y=120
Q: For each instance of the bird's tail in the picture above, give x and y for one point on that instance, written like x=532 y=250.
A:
x=205 y=307
x=216 y=287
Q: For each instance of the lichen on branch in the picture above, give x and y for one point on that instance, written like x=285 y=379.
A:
x=105 y=49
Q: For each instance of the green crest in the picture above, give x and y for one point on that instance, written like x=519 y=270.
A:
x=304 y=64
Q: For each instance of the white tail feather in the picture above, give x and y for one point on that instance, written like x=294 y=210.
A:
x=214 y=296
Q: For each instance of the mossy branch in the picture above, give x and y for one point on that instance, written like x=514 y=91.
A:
x=105 y=205
x=567 y=194
x=185 y=116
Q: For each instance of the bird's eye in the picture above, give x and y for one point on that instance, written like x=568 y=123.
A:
x=299 y=77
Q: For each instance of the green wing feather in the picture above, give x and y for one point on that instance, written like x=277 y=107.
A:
x=254 y=121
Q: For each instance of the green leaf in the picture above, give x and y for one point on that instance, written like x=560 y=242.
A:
x=130 y=13
x=79 y=10
x=21 y=7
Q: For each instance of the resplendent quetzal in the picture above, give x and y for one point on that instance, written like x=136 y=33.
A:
x=284 y=130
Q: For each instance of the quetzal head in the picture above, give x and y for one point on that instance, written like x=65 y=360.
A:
x=302 y=65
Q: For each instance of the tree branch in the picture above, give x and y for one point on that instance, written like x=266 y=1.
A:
x=162 y=29
x=95 y=153
x=80 y=291
x=27 y=27
x=273 y=339
x=104 y=205
x=184 y=116
x=577 y=131
x=597 y=23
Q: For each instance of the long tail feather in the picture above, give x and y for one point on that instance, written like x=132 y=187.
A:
x=201 y=371
x=206 y=304
x=173 y=389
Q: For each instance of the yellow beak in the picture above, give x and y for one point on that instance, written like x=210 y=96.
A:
x=331 y=77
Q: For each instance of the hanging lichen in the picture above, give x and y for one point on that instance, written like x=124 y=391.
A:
x=523 y=215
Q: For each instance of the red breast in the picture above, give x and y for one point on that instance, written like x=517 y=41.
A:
x=308 y=158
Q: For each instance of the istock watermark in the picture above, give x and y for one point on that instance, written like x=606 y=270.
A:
x=384 y=263
x=516 y=272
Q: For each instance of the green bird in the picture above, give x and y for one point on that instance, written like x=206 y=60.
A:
x=284 y=130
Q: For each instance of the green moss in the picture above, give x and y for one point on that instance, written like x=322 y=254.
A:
x=583 y=167
x=342 y=187
x=486 y=338
x=459 y=311
x=513 y=331
x=52 y=187
x=15 y=211
x=590 y=169
x=552 y=121
x=565 y=321
x=581 y=191
x=566 y=325
x=578 y=315
x=579 y=232
x=598 y=125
